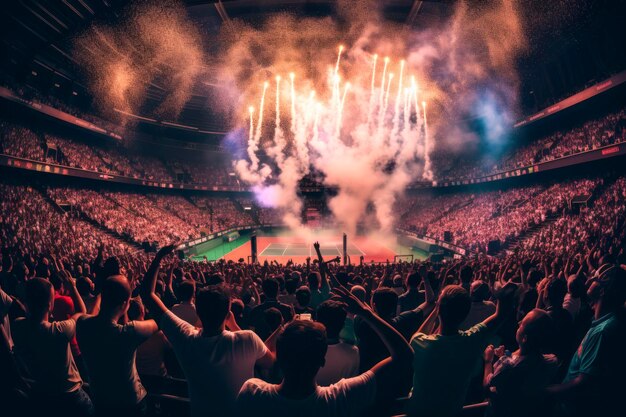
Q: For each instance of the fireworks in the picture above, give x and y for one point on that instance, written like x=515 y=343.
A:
x=379 y=122
x=332 y=111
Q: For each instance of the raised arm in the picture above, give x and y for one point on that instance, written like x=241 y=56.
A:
x=70 y=284
x=398 y=365
x=322 y=266
x=148 y=293
x=504 y=308
x=428 y=288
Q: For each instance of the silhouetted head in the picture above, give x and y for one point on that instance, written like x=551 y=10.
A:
x=273 y=318
x=301 y=349
x=270 y=288
x=385 y=302
x=479 y=291
x=39 y=297
x=413 y=280
x=212 y=306
x=136 y=310
x=359 y=292
x=186 y=290
x=332 y=315
x=303 y=296
x=314 y=280
x=535 y=332
x=454 y=305
x=115 y=294
x=556 y=291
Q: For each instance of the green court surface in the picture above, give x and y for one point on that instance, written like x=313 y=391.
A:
x=221 y=250
x=295 y=249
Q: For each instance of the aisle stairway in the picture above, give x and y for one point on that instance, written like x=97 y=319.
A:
x=515 y=242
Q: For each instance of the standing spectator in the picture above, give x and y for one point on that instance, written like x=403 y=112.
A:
x=371 y=347
x=318 y=284
x=44 y=347
x=445 y=362
x=481 y=307
x=342 y=359
x=109 y=350
x=257 y=315
x=150 y=359
x=594 y=384
x=216 y=361
x=412 y=297
x=186 y=309
x=301 y=349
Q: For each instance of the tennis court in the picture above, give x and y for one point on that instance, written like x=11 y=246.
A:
x=285 y=248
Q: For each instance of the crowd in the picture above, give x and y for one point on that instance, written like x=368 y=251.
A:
x=265 y=215
x=225 y=213
x=160 y=218
x=109 y=157
x=475 y=219
x=90 y=326
x=592 y=134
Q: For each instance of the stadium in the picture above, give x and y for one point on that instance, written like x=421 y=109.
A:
x=313 y=208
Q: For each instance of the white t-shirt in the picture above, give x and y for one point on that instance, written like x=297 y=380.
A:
x=187 y=312
x=216 y=367
x=342 y=361
x=348 y=397
x=45 y=349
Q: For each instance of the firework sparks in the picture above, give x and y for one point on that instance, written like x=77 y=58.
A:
x=317 y=127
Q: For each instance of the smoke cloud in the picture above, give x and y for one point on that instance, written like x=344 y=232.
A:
x=154 y=43
x=356 y=123
x=386 y=139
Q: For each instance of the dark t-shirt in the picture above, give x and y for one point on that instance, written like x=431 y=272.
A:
x=257 y=319
x=410 y=300
x=408 y=322
x=109 y=351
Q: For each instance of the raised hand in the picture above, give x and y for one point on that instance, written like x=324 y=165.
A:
x=316 y=246
x=353 y=304
x=67 y=278
x=166 y=250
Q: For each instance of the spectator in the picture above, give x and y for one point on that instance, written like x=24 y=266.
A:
x=216 y=361
x=109 y=350
x=594 y=382
x=186 y=309
x=412 y=297
x=303 y=298
x=481 y=307
x=371 y=348
x=516 y=382
x=445 y=361
x=342 y=359
x=257 y=318
x=45 y=349
x=150 y=359
x=300 y=350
